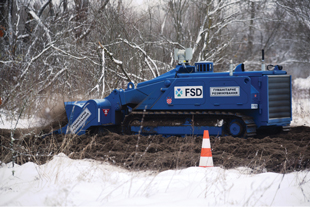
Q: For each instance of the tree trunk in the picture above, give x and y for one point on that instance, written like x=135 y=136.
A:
x=251 y=29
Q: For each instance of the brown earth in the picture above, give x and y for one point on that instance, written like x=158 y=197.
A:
x=282 y=152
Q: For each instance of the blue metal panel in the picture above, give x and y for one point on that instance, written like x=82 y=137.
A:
x=169 y=74
x=279 y=122
x=207 y=101
x=204 y=67
x=133 y=96
x=154 y=91
x=264 y=103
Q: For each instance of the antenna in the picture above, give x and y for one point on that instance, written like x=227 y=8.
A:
x=263 y=61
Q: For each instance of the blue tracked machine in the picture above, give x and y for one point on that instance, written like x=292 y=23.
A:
x=190 y=99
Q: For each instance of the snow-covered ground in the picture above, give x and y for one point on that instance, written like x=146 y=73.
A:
x=301 y=102
x=64 y=181
x=12 y=122
x=302 y=83
x=301 y=112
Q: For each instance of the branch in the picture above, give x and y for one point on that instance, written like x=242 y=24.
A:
x=104 y=4
x=174 y=43
x=78 y=58
x=43 y=7
x=147 y=58
x=47 y=31
x=20 y=79
x=50 y=82
x=85 y=33
x=117 y=62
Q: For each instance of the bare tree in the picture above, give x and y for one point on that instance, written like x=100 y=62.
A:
x=300 y=11
x=50 y=48
x=177 y=10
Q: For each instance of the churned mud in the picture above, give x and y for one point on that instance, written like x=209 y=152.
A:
x=282 y=152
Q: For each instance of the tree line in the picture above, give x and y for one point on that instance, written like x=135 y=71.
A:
x=77 y=49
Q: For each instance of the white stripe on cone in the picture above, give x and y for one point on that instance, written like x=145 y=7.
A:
x=206 y=143
x=206 y=162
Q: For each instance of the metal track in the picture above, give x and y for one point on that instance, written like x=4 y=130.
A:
x=248 y=121
x=286 y=128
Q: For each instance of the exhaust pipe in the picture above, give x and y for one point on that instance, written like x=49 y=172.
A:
x=231 y=69
x=263 y=61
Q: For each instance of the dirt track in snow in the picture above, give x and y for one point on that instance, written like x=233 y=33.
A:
x=284 y=152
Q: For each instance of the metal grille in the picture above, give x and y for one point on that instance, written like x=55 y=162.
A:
x=279 y=88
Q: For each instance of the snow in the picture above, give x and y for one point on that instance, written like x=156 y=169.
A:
x=301 y=102
x=9 y=121
x=301 y=112
x=302 y=83
x=64 y=181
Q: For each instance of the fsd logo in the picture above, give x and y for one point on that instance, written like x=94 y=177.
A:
x=188 y=92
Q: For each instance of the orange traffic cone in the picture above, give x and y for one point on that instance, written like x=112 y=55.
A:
x=206 y=159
